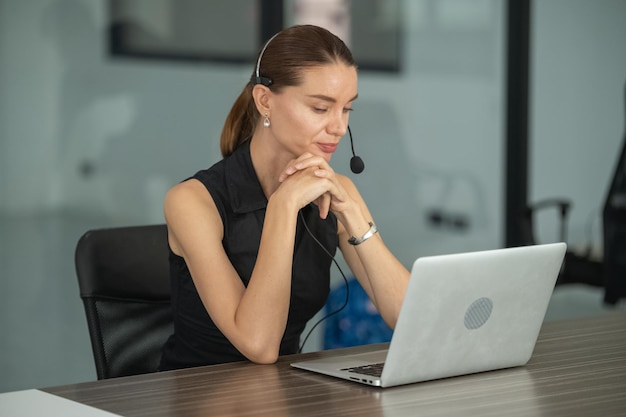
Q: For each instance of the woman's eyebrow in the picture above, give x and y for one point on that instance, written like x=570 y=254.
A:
x=329 y=99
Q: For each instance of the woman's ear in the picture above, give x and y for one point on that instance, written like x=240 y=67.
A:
x=261 y=95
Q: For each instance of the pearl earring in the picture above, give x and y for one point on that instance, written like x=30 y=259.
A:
x=266 y=121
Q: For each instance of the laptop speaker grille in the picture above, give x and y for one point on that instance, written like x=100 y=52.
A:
x=478 y=313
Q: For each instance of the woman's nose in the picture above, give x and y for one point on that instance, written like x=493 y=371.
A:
x=339 y=125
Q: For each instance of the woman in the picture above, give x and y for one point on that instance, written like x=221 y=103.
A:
x=252 y=238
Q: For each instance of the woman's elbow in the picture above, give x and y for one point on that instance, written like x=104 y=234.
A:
x=263 y=358
x=261 y=354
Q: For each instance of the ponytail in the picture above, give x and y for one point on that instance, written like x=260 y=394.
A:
x=240 y=122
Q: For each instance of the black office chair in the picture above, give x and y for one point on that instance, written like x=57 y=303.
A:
x=610 y=271
x=123 y=276
x=614 y=228
x=578 y=268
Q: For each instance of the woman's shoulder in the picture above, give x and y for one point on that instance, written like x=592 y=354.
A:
x=208 y=179
x=212 y=174
x=204 y=190
x=186 y=192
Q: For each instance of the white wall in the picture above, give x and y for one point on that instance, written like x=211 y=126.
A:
x=28 y=69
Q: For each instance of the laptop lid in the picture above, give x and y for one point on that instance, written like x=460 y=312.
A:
x=462 y=313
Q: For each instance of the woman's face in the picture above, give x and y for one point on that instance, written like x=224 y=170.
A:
x=312 y=117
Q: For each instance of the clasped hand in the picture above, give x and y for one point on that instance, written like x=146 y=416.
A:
x=313 y=180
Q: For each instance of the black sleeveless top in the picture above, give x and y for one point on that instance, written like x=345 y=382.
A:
x=237 y=193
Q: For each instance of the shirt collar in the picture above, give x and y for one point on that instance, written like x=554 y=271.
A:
x=244 y=190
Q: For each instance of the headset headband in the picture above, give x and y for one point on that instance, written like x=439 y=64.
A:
x=256 y=78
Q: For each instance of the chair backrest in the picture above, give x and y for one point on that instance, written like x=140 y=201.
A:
x=123 y=277
x=614 y=229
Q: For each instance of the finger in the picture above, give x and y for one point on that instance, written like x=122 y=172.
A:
x=323 y=204
x=304 y=161
x=309 y=160
x=291 y=169
x=286 y=173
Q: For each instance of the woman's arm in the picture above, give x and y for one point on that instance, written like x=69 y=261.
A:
x=379 y=272
x=253 y=318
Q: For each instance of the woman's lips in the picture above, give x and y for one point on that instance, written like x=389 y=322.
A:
x=327 y=147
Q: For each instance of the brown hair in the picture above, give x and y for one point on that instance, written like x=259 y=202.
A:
x=282 y=60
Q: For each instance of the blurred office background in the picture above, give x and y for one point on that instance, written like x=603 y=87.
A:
x=90 y=140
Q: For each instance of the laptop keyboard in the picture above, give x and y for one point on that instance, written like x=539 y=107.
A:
x=374 y=369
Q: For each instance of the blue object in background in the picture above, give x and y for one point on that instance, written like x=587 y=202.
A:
x=359 y=323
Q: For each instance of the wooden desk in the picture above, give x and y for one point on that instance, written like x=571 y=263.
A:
x=578 y=369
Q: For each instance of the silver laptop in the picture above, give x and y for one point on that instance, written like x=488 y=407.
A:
x=462 y=313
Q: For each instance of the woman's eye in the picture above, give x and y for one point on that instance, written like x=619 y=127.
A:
x=325 y=109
